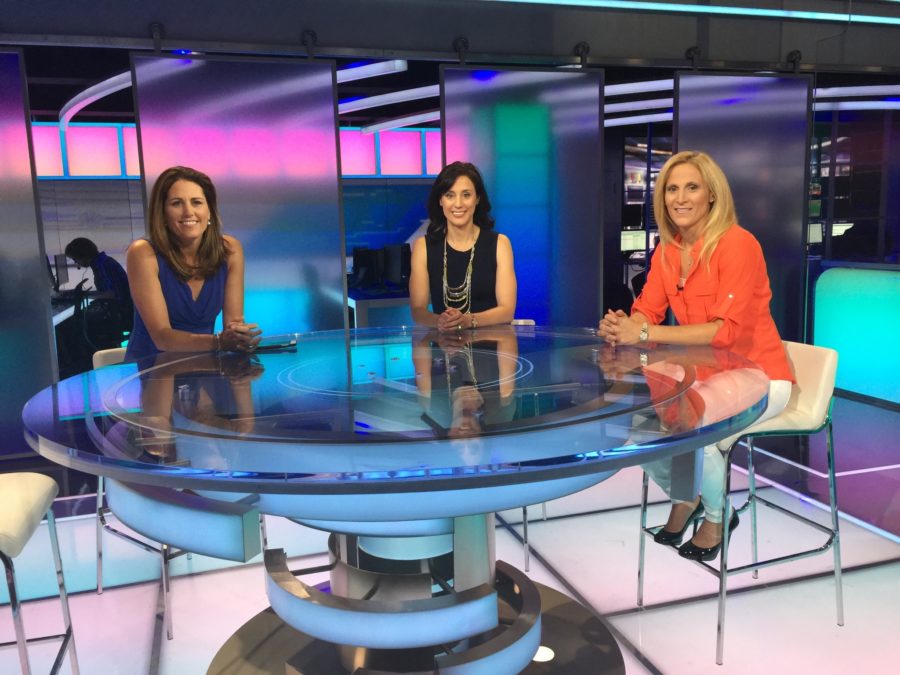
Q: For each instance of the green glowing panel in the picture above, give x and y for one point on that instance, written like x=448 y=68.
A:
x=522 y=128
x=848 y=300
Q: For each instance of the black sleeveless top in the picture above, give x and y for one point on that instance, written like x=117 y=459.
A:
x=484 y=271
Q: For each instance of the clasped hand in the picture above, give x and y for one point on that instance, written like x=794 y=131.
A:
x=452 y=319
x=617 y=328
x=240 y=337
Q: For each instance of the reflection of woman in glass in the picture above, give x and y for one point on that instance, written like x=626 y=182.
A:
x=462 y=267
x=208 y=392
x=186 y=273
x=468 y=382
x=711 y=273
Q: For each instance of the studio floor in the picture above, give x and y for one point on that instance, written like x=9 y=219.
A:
x=782 y=622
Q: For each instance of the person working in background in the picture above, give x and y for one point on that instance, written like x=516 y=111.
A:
x=186 y=273
x=111 y=313
x=462 y=267
x=109 y=275
x=711 y=273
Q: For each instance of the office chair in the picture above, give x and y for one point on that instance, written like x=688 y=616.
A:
x=808 y=412
x=24 y=499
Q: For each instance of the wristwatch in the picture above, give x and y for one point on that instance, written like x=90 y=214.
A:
x=645 y=332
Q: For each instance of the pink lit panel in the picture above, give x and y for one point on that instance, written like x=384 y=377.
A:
x=457 y=146
x=132 y=160
x=47 y=150
x=357 y=153
x=401 y=153
x=93 y=151
x=433 y=160
x=14 y=161
x=309 y=153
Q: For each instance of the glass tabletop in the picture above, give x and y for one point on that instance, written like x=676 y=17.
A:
x=376 y=409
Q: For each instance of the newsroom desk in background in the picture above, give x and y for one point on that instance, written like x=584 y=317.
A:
x=371 y=308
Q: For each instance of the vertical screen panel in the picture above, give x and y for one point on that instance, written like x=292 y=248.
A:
x=93 y=150
x=130 y=148
x=536 y=137
x=432 y=152
x=265 y=132
x=357 y=153
x=47 y=150
x=757 y=128
x=401 y=153
x=26 y=346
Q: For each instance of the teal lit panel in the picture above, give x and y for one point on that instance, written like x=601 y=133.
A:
x=866 y=365
x=279 y=310
x=522 y=128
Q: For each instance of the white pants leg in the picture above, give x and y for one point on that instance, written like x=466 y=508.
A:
x=712 y=491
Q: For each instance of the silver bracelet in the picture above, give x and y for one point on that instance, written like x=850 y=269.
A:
x=218 y=337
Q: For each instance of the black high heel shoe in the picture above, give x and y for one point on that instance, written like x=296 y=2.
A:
x=693 y=552
x=667 y=538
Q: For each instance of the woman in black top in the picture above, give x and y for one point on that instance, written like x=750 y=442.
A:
x=461 y=266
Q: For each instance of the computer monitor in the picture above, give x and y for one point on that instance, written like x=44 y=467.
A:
x=815 y=233
x=61 y=267
x=634 y=240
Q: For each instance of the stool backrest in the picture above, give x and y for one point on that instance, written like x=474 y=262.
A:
x=815 y=369
x=108 y=357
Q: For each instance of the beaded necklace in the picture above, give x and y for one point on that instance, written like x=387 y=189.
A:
x=460 y=296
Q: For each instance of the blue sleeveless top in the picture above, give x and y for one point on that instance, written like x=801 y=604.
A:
x=185 y=313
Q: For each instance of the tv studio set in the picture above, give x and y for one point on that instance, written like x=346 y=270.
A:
x=473 y=337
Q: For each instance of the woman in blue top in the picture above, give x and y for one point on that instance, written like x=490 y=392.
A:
x=186 y=273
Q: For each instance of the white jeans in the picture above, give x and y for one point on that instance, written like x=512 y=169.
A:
x=712 y=487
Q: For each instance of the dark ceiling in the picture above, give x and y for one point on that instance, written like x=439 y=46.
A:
x=56 y=74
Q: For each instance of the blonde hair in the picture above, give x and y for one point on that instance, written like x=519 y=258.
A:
x=213 y=250
x=721 y=214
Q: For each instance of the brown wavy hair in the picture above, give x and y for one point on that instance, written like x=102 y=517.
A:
x=721 y=214
x=213 y=251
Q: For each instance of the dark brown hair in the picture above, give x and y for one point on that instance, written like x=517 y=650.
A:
x=437 y=227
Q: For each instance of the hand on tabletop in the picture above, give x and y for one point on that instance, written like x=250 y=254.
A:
x=240 y=337
x=617 y=328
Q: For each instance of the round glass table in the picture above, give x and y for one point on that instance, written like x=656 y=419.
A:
x=402 y=444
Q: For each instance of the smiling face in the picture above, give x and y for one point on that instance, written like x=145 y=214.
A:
x=687 y=199
x=186 y=212
x=459 y=202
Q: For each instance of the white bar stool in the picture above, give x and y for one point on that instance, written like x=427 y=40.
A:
x=24 y=499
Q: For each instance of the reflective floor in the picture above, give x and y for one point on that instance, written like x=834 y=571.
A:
x=784 y=622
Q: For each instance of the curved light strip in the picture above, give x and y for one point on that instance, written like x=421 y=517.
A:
x=638 y=119
x=408 y=120
x=867 y=90
x=430 y=91
x=91 y=94
x=718 y=10
x=638 y=87
x=371 y=70
x=649 y=104
x=856 y=105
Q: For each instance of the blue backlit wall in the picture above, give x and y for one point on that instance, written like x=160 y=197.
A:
x=865 y=366
x=265 y=131
x=757 y=128
x=536 y=136
x=27 y=352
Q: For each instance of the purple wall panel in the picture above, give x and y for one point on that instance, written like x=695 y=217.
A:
x=27 y=351
x=536 y=136
x=757 y=128
x=265 y=131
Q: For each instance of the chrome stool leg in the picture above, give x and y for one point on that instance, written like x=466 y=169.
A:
x=101 y=518
x=68 y=641
x=641 y=543
x=751 y=480
x=16 y=608
x=526 y=548
x=836 y=544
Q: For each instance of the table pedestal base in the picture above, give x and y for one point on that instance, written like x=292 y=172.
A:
x=580 y=642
